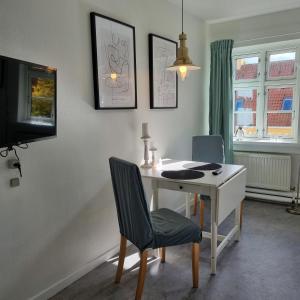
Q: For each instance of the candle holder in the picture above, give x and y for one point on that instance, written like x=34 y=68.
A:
x=153 y=149
x=145 y=137
x=146 y=164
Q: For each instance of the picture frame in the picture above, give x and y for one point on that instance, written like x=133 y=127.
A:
x=114 y=63
x=163 y=83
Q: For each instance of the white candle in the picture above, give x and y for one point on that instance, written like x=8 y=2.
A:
x=145 y=129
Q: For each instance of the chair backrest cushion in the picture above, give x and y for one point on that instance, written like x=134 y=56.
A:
x=132 y=208
x=208 y=148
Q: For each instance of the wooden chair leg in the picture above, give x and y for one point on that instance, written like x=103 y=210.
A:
x=241 y=214
x=122 y=254
x=162 y=254
x=142 y=273
x=195 y=203
x=195 y=264
x=202 y=206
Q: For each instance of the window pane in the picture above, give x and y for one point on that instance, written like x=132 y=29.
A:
x=245 y=99
x=279 y=125
x=282 y=65
x=42 y=97
x=246 y=122
x=280 y=99
x=246 y=68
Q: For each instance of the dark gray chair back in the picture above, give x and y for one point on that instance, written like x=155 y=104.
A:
x=208 y=148
x=132 y=208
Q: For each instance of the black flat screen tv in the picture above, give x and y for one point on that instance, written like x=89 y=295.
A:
x=27 y=102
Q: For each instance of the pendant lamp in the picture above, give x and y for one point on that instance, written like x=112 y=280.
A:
x=183 y=64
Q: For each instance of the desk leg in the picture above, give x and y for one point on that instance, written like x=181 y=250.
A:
x=237 y=222
x=188 y=205
x=214 y=233
x=154 y=204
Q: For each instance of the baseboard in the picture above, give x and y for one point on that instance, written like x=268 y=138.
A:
x=69 y=279
x=270 y=195
x=268 y=198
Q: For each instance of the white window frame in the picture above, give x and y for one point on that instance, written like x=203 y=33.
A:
x=262 y=83
x=269 y=53
x=246 y=55
x=258 y=101
x=292 y=111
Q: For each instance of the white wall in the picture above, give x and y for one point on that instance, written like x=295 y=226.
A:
x=280 y=26
x=275 y=27
x=62 y=219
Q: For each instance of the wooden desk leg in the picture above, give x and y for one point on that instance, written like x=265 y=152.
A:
x=237 y=222
x=195 y=204
x=188 y=205
x=214 y=233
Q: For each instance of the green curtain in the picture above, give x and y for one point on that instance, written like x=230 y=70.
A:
x=220 y=94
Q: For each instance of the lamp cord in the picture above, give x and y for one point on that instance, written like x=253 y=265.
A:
x=182 y=15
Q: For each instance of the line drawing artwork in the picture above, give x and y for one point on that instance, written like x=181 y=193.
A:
x=115 y=66
x=114 y=63
x=165 y=81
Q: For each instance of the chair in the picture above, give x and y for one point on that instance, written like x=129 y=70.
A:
x=209 y=148
x=206 y=148
x=158 y=229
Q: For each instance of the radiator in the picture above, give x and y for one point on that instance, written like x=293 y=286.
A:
x=267 y=171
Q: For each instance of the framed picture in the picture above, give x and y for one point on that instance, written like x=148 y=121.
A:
x=114 y=63
x=163 y=83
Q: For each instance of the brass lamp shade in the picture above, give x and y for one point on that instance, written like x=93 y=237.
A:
x=183 y=63
x=182 y=57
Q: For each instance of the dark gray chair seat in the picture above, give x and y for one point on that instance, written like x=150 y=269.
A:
x=171 y=228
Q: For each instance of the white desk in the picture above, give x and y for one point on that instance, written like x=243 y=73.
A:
x=226 y=192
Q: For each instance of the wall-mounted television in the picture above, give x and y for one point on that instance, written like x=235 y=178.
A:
x=27 y=102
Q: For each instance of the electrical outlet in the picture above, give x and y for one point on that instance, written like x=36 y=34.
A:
x=12 y=163
x=14 y=182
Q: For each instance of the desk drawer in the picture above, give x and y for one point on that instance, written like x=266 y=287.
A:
x=183 y=187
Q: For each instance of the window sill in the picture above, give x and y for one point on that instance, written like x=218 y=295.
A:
x=267 y=145
x=263 y=141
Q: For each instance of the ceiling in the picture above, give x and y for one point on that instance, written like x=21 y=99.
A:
x=214 y=11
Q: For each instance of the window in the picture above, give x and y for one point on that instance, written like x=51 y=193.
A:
x=265 y=87
x=281 y=65
x=246 y=68
x=245 y=110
